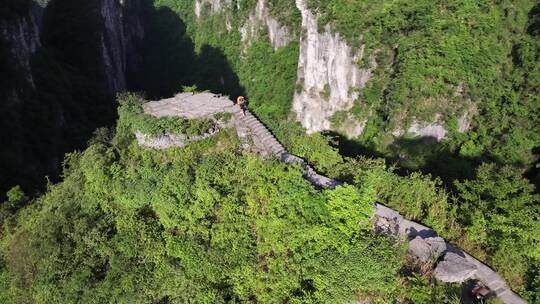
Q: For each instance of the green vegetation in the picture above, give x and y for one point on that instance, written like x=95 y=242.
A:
x=502 y=214
x=338 y=118
x=224 y=117
x=446 y=57
x=326 y=92
x=132 y=225
x=286 y=13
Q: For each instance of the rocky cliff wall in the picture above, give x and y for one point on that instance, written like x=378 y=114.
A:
x=61 y=67
x=21 y=35
x=278 y=34
x=328 y=75
x=121 y=38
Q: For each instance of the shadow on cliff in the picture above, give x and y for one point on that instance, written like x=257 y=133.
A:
x=170 y=59
x=70 y=92
x=423 y=154
x=55 y=104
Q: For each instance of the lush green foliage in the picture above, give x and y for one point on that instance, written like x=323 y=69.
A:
x=502 y=215
x=433 y=43
x=202 y=224
x=447 y=57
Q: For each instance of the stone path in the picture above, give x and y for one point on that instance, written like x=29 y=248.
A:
x=454 y=264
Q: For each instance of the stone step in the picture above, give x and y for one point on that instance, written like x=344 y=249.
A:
x=270 y=144
x=255 y=125
x=280 y=150
x=260 y=129
x=277 y=148
x=497 y=285
x=264 y=135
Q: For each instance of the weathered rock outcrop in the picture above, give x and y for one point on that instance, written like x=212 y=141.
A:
x=21 y=34
x=121 y=39
x=424 y=130
x=427 y=249
x=215 y=6
x=454 y=269
x=328 y=75
x=455 y=265
x=189 y=106
x=278 y=34
x=257 y=22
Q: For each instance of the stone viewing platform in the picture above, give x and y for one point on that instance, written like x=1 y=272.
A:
x=451 y=263
x=190 y=105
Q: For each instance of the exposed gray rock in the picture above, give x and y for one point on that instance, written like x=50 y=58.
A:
x=413 y=229
x=427 y=249
x=166 y=141
x=454 y=269
x=216 y=6
x=190 y=105
x=278 y=34
x=464 y=122
x=424 y=129
x=386 y=226
x=161 y=142
x=328 y=75
x=433 y=130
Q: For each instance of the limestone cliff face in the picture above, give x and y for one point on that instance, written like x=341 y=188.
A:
x=215 y=6
x=44 y=74
x=123 y=31
x=328 y=76
x=20 y=35
x=258 y=21
x=278 y=34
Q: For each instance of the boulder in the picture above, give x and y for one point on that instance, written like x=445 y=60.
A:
x=427 y=249
x=454 y=269
x=386 y=226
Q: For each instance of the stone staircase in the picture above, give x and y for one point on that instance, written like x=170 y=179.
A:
x=267 y=144
x=248 y=124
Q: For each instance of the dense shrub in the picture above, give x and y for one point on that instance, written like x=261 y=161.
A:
x=200 y=224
